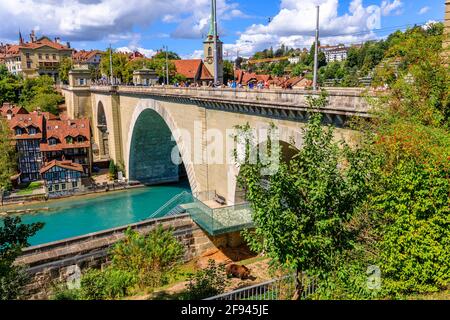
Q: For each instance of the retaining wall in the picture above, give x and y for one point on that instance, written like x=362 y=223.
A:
x=57 y=261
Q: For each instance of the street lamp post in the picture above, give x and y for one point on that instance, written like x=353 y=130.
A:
x=316 y=51
x=167 y=64
x=216 y=63
x=111 y=65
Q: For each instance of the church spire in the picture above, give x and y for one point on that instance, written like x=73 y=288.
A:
x=211 y=24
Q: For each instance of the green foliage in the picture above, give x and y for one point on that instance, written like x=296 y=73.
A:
x=409 y=204
x=178 y=78
x=417 y=75
x=153 y=258
x=207 y=282
x=63 y=293
x=301 y=216
x=10 y=86
x=13 y=237
x=228 y=71
x=8 y=157
x=47 y=102
x=299 y=69
x=65 y=66
x=39 y=93
x=110 y=283
x=170 y=55
x=414 y=207
x=123 y=68
x=112 y=170
x=119 y=62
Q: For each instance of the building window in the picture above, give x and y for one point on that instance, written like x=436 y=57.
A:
x=75 y=184
x=56 y=187
x=52 y=141
x=40 y=55
x=27 y=55
x=82 y=82
x=69 y=140
x=47 y=57
x=29 y=65
x=54 y=56
x=18 y=131
x=50 y=188
x=209 y=52
x=63 y=186
x=32 y=130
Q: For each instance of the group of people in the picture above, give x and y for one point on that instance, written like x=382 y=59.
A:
x=251 y=85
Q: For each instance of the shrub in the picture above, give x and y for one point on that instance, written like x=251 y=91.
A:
x=153 y=258
x=64 y=293
x=206 y=283
x=107 y=284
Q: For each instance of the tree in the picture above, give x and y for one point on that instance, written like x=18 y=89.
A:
x=170 y=55
x=299 y=69
x=119 y=63
x=153 y=258
x=13 y=237
x=300 y=214
x=228 y=71
x=7 y=157
x=39 y=93
x=65 y=66
x=9 y=86
x=112 y=170
x=410 y=135
x=321 y=58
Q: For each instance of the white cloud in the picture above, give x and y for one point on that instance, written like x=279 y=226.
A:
x=197 y=54
x=294 y=25
x=89 y=20
x=146 y=52
x=424 y=10
x=388 y=7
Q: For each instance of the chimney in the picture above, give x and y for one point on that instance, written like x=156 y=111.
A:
x=68 y=44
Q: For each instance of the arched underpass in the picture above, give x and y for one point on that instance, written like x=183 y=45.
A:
x=151 y=151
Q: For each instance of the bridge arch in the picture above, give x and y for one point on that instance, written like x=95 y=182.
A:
x=153 y=131
x=290 y=140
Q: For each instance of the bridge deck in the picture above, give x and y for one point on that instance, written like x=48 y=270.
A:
x=342 y=101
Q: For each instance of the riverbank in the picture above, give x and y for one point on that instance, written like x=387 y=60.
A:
x=40 y=205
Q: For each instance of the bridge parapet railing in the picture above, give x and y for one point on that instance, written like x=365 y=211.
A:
x=276 y=289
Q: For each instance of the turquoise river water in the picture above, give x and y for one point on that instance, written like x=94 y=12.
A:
x=77 y=216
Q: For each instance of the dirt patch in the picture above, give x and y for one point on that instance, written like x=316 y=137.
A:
x=225 y=256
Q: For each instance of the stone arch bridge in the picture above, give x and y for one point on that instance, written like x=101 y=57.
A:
x=140 y=126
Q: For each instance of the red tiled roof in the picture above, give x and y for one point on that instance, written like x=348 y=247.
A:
x=244 y=78
x=192 y=69
x=13 y=50
x=84 y=55
x=42 y=42
x=69 y=165
x=8 y=108
x=296 y=80
x=34 y=119
x=61 y=129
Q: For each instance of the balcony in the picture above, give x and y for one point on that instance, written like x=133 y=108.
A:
x=209 y=215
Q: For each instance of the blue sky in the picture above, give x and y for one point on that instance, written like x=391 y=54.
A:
x=147 y=25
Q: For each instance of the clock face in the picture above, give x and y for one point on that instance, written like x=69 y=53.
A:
x=209 y=60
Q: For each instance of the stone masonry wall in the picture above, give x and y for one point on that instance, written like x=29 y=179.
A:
x=57 y=262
